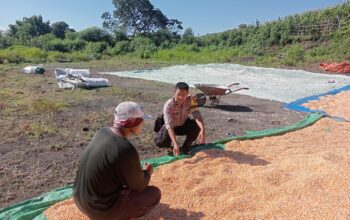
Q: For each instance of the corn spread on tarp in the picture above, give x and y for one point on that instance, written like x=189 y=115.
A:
x=33 y=209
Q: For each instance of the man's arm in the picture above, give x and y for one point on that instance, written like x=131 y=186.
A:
x=133 y=176
x=167 y=111
x=176 y=149
x=200 y=122
x=199 y=119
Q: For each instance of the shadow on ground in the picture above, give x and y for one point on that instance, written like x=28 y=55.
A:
x=230 y=108
x=236 y=156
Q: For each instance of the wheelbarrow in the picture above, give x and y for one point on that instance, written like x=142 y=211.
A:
x=214 y=92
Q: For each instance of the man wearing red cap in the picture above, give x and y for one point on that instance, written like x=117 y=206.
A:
x=110 y=183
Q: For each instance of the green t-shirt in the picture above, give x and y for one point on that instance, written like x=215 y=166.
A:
x=109 y=165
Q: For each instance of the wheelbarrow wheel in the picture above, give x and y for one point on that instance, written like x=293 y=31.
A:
x=200 y=99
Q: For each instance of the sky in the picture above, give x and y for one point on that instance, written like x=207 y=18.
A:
x=203 y=16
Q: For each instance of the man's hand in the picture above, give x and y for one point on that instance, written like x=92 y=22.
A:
x=176 y=150
x=148 y=167
x=201 y=137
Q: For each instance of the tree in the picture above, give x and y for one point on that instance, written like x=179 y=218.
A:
x=59 y=29
x=5 y=40
x=164 y=38
x=95 y=34
x=137 y=17
x=188 y=36
x=119 y=36
x=30 y=27
x=235 y=38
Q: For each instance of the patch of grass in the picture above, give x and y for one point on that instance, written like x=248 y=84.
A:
x=43 y=106
x=184 y=54
x=5 y=94
x=58 y=147
x=128 y=94
x=71 y=97
x=116 y=92
x=37 y=130
x=87 y=136
x=91 y=122
x=12 y=101
x=147 y=137
x=96 y=119
x=113 y=64
x=163 y=96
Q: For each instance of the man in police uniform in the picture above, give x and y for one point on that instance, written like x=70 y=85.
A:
x=177 y=121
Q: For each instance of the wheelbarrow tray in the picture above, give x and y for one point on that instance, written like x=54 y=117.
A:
x=213 y=89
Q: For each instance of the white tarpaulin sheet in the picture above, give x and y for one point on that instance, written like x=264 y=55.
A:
x=268 y=83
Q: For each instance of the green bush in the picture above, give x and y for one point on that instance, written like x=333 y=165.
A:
x=79 y=56
x=56 y=44
x=19 y=54
x=164 y=38
x=50 y=43
x=58 y=56
x=71 y=35
x=43 y=41
x=143 y=47
x=188 y=37
x=95 y=34
x=120 y=48
x=318 y=51
x=14 y=57
x=235 y=52
x=34 y=55
x=194 y=48
x=96 y=47
x=294 y=55
x=74 y=44
x=5 y=41
x=2 y=56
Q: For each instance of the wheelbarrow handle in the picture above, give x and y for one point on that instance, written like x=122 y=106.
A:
x=231 y=91
x=233 y=84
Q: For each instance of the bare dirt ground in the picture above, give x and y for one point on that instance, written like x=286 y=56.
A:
x=44 y=130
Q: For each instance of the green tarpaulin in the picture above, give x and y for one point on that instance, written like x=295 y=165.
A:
x=34 y=208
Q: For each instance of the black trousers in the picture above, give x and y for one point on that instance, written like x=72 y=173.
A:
x=189 y=128
x=130 y=204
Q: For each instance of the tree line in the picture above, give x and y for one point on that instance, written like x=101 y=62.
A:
x=137 y=28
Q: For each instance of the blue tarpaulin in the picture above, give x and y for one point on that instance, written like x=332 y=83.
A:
x=297 y=105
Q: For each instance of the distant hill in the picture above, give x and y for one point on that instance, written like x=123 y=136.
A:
x=316 y=35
